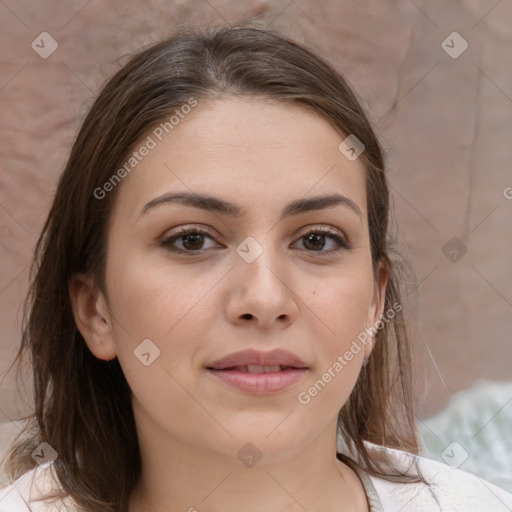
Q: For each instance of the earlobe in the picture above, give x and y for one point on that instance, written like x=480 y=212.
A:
x=91 y=316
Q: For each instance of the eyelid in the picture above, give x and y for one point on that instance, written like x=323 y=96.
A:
x=180 y=230
x=334 y=233
x=165 y=239
x=322 y=228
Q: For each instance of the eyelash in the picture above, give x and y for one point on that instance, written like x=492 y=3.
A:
x=168 y=241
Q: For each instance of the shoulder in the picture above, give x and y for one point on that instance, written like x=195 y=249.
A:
x=449 y=489
x=27 y=493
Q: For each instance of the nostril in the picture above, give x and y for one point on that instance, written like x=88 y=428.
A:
x=247 y=316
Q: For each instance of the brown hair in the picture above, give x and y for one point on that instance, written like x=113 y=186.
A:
x=83 y=404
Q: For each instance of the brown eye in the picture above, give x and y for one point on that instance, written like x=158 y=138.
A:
x=191 y=240
x=315 y=241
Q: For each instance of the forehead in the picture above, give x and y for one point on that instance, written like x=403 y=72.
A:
x=249 y=150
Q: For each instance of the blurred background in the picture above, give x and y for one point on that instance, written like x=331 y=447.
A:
x=435 y=78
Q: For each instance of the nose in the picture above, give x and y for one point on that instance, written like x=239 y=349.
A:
x=262 y=293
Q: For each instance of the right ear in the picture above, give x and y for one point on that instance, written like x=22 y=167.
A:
x=92 y=317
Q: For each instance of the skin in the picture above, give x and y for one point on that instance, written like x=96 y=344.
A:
x=198 y=308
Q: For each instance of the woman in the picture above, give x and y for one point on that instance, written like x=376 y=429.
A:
x=213 y=300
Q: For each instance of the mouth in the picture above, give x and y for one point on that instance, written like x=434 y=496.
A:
x=258 y=380
x=256 y=369
x=258 y=373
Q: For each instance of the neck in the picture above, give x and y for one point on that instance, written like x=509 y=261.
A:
x=177 y=476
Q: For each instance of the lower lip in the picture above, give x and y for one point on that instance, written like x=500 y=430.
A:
x=260 y=383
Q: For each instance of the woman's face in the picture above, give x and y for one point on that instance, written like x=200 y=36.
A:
x=253 y=281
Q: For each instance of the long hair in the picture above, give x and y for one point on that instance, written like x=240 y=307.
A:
x=83 y=404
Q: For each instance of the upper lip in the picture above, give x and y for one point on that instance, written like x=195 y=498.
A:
x=277 y=357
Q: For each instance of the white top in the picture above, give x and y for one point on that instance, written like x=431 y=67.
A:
x=451 y=490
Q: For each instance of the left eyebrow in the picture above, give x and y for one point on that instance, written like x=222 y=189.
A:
x=223 y=207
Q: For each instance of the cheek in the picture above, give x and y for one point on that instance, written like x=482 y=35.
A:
x=171 y=308
x=341 y=311
x=342 y=304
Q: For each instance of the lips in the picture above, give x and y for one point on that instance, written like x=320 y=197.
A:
x=259 y=373
x=254 y=361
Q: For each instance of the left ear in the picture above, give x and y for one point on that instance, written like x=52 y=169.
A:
x=376 y=309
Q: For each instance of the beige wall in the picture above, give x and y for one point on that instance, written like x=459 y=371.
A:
x=445 y=123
